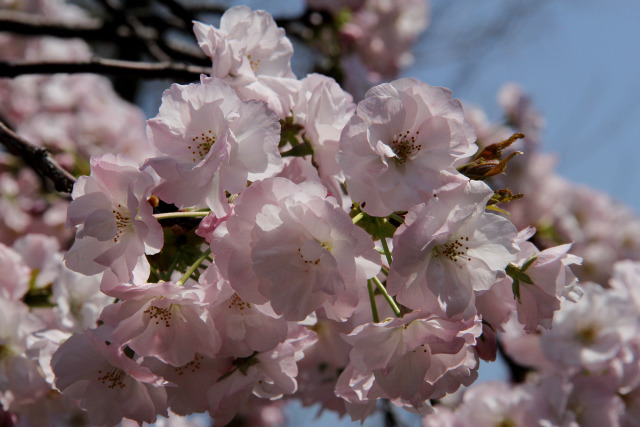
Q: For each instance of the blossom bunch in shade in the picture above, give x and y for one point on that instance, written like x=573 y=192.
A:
x=279 y=242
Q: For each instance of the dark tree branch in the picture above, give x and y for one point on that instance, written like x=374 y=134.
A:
x=179 y=11
x=36 y=25
x=37 y=158
x=114 y=67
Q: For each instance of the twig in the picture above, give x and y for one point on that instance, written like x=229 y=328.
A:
x=37 y=158
x=179 y=11
x=144 y=70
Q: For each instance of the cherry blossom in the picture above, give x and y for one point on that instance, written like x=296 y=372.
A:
x=402 y=144
x=109 y=384
x=551 y=283
x=448 y=249
x=267 y=375
x=290 y=245
x=211 y=142
x=493 y=404
x=593 y=332
x=114 y=222
x=14 y=282
x=382 y=32
x=413 y=359
x=78 y=300
x=164 y=320
x=21 y=379
x=244 y=328
x=250 y=53
x=322 y=108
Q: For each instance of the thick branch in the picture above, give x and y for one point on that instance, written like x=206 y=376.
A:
x=114 y=67
x=37 y=158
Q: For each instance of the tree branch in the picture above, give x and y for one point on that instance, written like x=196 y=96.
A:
x=95 y=30
x=114 y=67
x=37 y=158
x=36 y=25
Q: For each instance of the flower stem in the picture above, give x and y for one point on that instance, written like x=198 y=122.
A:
x=172 y=265
x=193 y=268
x=195 y=214
x=372 y=299
x=383 y=241
x=397 y=218
x=388 y=297
x=358 y=217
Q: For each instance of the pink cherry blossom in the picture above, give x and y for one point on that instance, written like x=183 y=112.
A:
x=383 y=32
x=108 y=384
x=290 y=245
x=449 y=248
x=494 y=404
x=210 y=223
x=189 y=383
x=591 y=333
x=21 y=379
x=243 y=327
x=114 y=222
x=626 y=279
x=43 y=257
x=323 y=109
x=78 y=300
x=211 y=142
x=552 y=283
x=251 y=54
x=14 y=281
x=395 y=149
x=413 y=359
x=164 y=320
x=268 y=375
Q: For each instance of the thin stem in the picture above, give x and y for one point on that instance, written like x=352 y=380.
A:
x=372 y=299
x=172 y=265
x=193 y=268
x=383 y=241
x=195 y=214
x=120 y=68
x=358 y=217
x=397 y=217
x=389 y=298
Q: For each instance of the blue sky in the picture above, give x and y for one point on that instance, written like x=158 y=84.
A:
x=580 y=62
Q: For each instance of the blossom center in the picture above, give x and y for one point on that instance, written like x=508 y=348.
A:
x=587 y=335
x=253 y=63
x=159 y=314
x=192 y=366
x=112 y=379
x=123 y=221
x=454 y=250
x=238 y=303
x=201 y=145
x=312 y=250
x=5 y=351
x=405 y=147
x=506 y=422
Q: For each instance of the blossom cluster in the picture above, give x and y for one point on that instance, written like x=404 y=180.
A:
x=279 y=241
